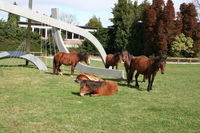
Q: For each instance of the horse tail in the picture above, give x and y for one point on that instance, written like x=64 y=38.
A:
x=130 y=74
x=106 y=66
x=54 y=65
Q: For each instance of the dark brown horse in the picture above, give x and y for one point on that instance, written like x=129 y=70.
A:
x=126 y=57
x=148 y=67
x=98 y=88
x=113 y=60
x=68 y=59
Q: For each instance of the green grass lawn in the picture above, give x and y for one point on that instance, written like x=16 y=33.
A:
x=37 y=101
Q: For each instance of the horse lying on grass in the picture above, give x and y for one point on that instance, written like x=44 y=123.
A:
x=98 y=88
x=87 y=76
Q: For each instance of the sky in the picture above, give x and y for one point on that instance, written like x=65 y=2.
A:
x=82 y=9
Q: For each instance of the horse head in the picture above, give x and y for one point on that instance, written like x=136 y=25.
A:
x=124 y=54
x=162 y=64
x=84 y=57
x=83 y=88
x=87 y=58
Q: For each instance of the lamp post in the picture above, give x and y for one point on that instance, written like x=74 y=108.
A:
x=28 y=32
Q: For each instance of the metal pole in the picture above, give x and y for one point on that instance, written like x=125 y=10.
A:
x=28 y=32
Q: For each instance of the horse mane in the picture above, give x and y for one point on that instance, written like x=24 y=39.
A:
x=117 y=55
x=81 y=56
x=130 y=56
x=160 y=58
x=93 y=84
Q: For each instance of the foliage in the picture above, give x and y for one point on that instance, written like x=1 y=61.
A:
x=94 y=22
x=161 y=40
x=135 y=45
x=182 y=46
x=190 y=26
x=105 y=37
x=149 y=23
x=161 y=26
x=11 y=36
x=37 y=101
x=123 y=14
x=169 y=23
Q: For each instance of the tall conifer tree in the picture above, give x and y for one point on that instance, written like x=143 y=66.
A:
x=190 y=27
x=168 y=18
x=149 y=22
x=161 y=39
x=123 y=14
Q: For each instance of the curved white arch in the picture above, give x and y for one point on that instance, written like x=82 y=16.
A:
x=27 y=13
x=23 y=55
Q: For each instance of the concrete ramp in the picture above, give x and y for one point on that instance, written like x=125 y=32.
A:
x=23 y=55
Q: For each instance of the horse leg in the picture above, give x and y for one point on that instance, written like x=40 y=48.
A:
x=95 y=95
x=59 y=71
x=127 y=73
x=149 y=83
x=136 y=80
x=130 y=77
x=72 y=70
x=144 y=78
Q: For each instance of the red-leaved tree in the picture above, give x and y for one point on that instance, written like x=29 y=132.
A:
x=168 y=18
x=161 y=39
x=149 y=23
x=190 y=27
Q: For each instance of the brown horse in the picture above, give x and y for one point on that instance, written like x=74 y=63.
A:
x=113 y=60
x=126 y=57
x=98 y=88
x=148 y=67
x=87 y=76
x=69 y=59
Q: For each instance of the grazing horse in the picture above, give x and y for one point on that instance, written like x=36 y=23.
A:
x=87 y=76
x=126 y=57
x=98 y=88
x=113 y=60
x=69 y=59
x=148 y=67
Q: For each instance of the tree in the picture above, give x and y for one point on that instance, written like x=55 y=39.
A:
x=105 y=37
x=190 y=26
x=12 y=18
x=182 y=46
x=135 y=45
x=178 y=23
x=94 y=22
x=123 y=21
x=197 y=5
x=149 y=23
x=69 y=18
x=169 y=23
x=161 y=40
x=159 y=7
